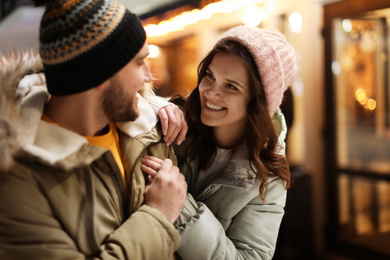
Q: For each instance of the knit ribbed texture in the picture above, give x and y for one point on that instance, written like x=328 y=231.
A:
x=85 y=42
x=274 y=57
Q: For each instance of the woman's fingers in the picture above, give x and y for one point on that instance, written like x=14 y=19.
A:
x=149 y=171
x=174 y=125
x=151 y=165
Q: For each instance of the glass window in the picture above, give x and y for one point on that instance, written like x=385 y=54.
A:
x=360 y=70
x=364 y=212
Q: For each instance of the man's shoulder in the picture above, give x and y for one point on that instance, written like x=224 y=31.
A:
x=153 y=136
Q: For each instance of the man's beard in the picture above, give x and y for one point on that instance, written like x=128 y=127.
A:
x=117 y=105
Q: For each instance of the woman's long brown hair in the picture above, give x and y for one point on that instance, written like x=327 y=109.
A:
x=260 y=136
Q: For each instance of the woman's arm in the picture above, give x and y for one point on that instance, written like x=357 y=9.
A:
x=171 y=117
x=251 y=232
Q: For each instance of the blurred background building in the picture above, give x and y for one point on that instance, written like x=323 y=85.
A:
x=338 y=109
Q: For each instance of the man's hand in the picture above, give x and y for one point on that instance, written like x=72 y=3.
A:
x=173 y=124
x=167 y=188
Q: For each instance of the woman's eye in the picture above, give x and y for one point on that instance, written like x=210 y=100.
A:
x=230 y=86
x=209 y=75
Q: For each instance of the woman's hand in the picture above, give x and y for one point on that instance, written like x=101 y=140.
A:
x=150 y=166
x=173 y=124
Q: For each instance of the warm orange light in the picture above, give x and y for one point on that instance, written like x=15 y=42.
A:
x=179 y=22
x=364 y=100
x=360 y=95
x=371 y=104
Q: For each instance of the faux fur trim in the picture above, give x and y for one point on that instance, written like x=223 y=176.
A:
x=146 y=120
x=12 y=70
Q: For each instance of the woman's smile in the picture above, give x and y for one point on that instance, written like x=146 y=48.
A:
x=213 y=107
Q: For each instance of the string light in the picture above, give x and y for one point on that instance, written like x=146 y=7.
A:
x=252 y=16
x=179 y=22
x=347 y=25
x=154 y=51
x=364 y=100
x=295 y=22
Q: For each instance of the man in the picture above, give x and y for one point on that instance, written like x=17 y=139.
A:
x=71 y=185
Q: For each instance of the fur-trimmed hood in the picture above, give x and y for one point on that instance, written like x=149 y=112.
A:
x=12 y=70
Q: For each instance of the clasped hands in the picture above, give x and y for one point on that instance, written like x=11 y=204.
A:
x=167 y=188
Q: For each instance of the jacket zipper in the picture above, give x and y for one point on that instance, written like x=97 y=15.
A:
x=121 y=190
x=130 y=204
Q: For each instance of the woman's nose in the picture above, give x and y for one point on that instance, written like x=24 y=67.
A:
x=213 y=91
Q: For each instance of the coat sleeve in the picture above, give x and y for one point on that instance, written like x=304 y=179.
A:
x=29 y=229
x=250 y=234
x=147 y=234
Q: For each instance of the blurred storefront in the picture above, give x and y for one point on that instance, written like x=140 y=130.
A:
x=339 y=141
x=358 y=127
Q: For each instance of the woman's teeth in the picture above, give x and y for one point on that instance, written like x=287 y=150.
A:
x=213 y=106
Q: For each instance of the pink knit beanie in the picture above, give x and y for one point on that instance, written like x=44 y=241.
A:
x=274 y=57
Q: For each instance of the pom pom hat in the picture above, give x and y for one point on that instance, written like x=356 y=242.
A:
x=85 y=42
x=274 y=57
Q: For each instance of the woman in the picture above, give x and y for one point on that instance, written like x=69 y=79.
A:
x=233 y=158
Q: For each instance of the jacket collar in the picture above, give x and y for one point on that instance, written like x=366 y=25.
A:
x=238 y=173
x=146 y=120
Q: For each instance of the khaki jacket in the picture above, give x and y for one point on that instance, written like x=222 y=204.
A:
x=64 y=199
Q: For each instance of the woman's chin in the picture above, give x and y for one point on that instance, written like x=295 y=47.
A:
x=207 y=121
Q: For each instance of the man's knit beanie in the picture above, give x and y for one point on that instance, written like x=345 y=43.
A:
x=85 y=42
x=274 y=57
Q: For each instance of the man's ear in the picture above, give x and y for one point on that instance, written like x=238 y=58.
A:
x=103 y=86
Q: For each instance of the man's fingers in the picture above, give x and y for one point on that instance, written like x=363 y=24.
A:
x=170 y=182
x=166 y=165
